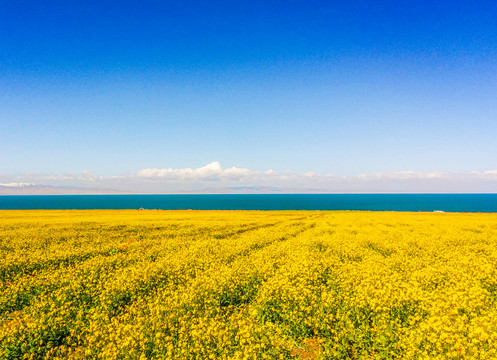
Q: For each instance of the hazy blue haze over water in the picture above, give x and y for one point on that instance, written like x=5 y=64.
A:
x=375 y=202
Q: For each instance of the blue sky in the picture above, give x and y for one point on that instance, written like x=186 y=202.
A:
x=359 y=96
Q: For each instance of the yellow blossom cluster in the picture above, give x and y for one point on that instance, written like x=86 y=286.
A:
x=127 y=284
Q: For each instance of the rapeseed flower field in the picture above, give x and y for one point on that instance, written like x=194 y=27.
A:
x=247 y=285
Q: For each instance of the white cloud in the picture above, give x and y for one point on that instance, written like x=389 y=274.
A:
x=89 y=176
x=209 y=172
x=491 y=174
x=403 y=175
x=214 y=172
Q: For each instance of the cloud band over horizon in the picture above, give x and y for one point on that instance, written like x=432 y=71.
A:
x=163 y=180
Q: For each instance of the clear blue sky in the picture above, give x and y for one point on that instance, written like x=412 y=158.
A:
x=330 y=87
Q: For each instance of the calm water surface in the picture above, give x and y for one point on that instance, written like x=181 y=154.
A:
x=374 y=202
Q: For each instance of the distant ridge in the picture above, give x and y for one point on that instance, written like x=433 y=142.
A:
x=38 y=189
x=253 y=190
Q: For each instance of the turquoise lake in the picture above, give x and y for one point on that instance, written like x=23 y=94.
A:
x=373 y=202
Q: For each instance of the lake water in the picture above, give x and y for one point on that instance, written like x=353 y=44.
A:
x=374 y=202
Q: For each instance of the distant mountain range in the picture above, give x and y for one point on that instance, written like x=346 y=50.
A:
x=254 y=190
x=37 y=189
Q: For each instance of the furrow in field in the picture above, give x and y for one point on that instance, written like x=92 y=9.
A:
x=220 y=292
x=141 y=284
